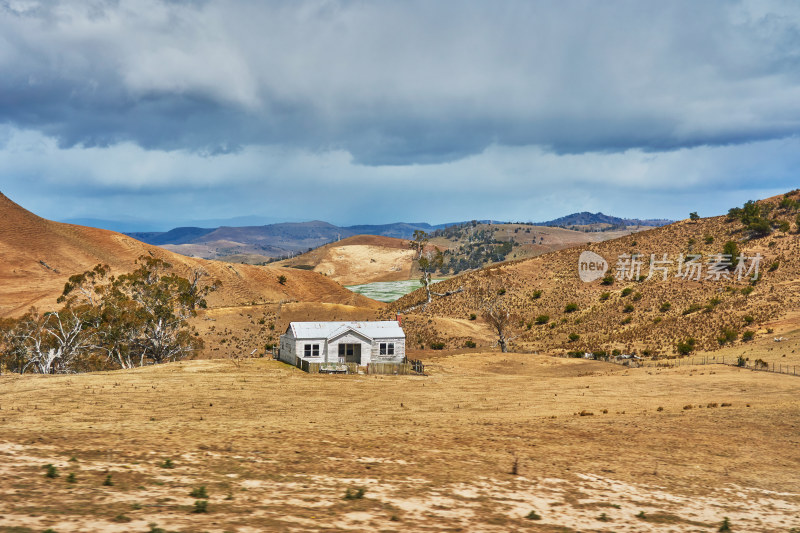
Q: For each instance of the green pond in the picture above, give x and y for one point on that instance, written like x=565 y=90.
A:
x=388 y=291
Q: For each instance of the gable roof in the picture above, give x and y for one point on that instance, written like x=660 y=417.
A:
x=325 y=330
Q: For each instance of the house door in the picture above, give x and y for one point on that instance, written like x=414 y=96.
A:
x=350 y=353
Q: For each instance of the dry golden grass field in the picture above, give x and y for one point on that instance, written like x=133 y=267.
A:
x=598 y=447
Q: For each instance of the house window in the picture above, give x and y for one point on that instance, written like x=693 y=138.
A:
x=387 y=348
x=311 y=350
x=346 y=349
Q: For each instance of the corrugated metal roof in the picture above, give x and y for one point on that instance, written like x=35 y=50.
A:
x=324 y=330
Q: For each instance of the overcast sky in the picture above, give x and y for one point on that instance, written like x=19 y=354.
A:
x=381 y=111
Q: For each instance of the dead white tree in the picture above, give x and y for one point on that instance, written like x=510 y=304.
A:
x=499 y=318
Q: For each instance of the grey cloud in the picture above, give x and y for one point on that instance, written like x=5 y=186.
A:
x=406 y=82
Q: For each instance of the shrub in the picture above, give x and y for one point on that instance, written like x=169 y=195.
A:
x=437 y=346
x=71 y=478
x=167 y=464
x=626 y=291
x=686 y=347
x=282 y=279
x=469 y=344
x=108 y=482
x=199 y=492
x=628 y=309
x=732 y=249
x=748 y=336
x=609 y=279
x=121 y=518
x=637 y=296
x=692 y=309
x=666 y=306
x=52 y=472
x=728 y=335
x=200 y=506
x=747 y=290
x=627 y=320
x=354 y=494
x=542 y=319
x=473 y=316
x=605 y=296
x=726 y=525
x=748 y=319
x=573 y=337
x=773 y=267
x=533 y=516
x=571 y=307
x=501 y=292
x=709 y=239
x=535 y=295
x=693 y=216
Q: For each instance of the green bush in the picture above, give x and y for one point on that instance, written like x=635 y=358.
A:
x=571 y=307
x=200 y=506
x=533 y=516
x=607 y=280
x=52 y=471
x=573 y=337
x=666 y=306
x=473 y=316
x=628 y=309
x=626 y=291
x=605 y=296
x=535 y=295
x=469 y=344
x=542 y=319
x=692 y=309
x=686 y=347
x=748 y=336
x=728 y=335
x=199 y=492
x=437 y=346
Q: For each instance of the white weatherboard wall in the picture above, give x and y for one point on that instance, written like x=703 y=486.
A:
x=329 y=335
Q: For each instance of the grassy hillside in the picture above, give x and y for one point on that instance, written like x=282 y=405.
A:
x=650 y=316
x=596 y=447
x=39 y=256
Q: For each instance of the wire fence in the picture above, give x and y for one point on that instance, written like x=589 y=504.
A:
x=757 y=365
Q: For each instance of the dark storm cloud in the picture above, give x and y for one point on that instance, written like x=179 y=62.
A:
x=404 y=82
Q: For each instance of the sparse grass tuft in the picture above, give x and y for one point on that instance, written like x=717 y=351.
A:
x=167 y=464
x=356 y=494
x=108 y=482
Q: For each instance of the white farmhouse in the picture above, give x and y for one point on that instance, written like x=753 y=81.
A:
x=343 y=342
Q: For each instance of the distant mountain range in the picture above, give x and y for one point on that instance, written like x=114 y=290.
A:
x=263 y=242
x=587 y=219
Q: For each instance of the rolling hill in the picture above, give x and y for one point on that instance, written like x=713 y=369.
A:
x=39 y=256
x=650 y=316
x=370 y=258
x=260 y=244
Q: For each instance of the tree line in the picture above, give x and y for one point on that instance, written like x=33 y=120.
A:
x=109 y=322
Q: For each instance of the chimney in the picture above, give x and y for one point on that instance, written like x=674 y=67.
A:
x=399 y=319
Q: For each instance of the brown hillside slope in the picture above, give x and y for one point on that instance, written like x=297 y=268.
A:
x=39 y=255
x=360 y=259
x=638 y=320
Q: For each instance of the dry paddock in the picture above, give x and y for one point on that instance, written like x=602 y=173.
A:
x=597 y=447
